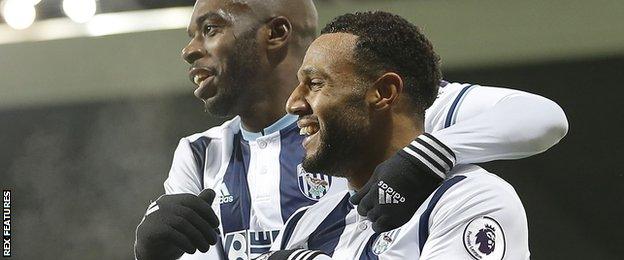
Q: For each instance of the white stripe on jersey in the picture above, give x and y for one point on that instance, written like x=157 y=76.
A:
x=439 y=148
x=425 y=162
x=431 y=154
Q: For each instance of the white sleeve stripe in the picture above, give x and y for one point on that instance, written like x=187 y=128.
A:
x=307 y=255
x=440 y=149
x=434 y=150
x=295 y=255
x=425 y=162
x=292 y=256
x=424 y=155
x=432 y=155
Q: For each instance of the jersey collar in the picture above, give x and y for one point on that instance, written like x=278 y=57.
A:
x=284 y=122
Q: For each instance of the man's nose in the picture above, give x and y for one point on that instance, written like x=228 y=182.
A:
x=193 y=51
x=297 y=103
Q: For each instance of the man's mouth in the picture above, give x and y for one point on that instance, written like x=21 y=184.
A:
x=198 y=79
x=310 y=129
x=201 y=77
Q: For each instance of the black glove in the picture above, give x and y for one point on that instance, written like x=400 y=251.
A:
x=175 y=224
x=300 y=254
x=402 y=183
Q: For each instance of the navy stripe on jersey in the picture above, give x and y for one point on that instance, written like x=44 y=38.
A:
x=291 y=155
x=235 y=214
x=290 y=227
x=326 y=236
x=423 y=231
x=199 y=153
x=367 y=253
x=455 y=105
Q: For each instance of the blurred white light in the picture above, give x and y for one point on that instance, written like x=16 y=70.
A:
x=18 y=14
x=80 y=11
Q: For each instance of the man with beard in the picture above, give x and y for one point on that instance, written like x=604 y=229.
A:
x=371 y=76
x=244 y=57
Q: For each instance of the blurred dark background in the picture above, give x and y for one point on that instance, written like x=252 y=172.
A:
x=90 y=126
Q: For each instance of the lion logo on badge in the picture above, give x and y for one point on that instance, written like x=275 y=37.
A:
x=313 y=185
x=484 y=239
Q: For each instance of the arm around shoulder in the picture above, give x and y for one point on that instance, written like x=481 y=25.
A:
x=490 y=123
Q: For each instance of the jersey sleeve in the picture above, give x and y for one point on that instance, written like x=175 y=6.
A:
x=184 y=176
x=481 y=124
x=479 y=220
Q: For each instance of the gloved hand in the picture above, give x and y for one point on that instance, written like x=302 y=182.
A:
x=402 y=183
x=299 y=254
x=175 y=224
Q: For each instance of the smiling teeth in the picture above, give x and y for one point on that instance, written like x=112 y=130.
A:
x=197 y=79
x=308 y=130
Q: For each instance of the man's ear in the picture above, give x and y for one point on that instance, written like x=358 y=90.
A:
x=280 y=30
x=385 y=91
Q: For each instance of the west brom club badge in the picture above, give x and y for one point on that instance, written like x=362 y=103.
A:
x=313 y=185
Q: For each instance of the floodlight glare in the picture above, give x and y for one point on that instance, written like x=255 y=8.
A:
x=18 y=14
x=80 y=11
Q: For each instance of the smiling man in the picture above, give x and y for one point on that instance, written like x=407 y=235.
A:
x=244 y=178
x=371 y=76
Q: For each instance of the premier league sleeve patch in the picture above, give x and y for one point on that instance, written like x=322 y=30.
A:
x=312 y=185
x=484 y=239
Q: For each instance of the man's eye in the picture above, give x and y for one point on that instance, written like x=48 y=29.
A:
x=316 y=82
x=209 y=30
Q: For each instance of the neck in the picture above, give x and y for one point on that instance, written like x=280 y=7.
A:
x=268 y=106
x=394 y=134
x=262 y=116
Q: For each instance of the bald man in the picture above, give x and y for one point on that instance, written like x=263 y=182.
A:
x=236 y=184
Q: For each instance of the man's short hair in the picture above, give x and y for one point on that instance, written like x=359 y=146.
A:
x=387 y=42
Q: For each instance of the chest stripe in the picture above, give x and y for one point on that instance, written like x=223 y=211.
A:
x=199 y=148
x=423 y=229
x=326 y=236
x=291 y=155
x=290 y=227
x=367 y=253
x=235 y=214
